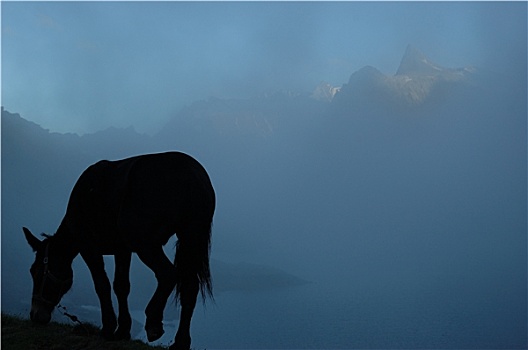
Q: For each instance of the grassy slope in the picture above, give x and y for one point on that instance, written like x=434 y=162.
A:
x=20 y=334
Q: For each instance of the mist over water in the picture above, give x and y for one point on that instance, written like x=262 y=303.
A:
x=359 y=221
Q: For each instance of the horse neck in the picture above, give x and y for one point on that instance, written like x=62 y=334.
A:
x=65 y=245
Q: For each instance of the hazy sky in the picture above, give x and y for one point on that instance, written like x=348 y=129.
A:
x=85 y=66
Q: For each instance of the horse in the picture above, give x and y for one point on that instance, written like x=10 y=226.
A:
x=133 y=205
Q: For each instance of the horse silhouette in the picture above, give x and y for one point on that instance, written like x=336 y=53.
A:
x=130 y=206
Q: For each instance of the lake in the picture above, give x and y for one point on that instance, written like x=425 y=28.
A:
x=484 y=310
x=320 y=316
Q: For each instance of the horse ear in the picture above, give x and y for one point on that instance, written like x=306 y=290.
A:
x=33 y=241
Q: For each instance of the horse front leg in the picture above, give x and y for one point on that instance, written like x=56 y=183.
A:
x=166 y=276
x=103 y=289
x=122 y=290
x=188 y=295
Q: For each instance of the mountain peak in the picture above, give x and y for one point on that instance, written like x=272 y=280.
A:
x=416 y=78
x=414 y=62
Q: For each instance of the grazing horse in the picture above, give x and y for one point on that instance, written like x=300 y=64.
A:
x=120 y=207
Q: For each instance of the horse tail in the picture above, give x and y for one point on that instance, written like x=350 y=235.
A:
x=192 y=260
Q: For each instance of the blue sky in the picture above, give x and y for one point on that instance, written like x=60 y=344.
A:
x=85 y=66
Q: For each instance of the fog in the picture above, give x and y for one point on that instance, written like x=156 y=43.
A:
x=83 y=67
x=391 y=214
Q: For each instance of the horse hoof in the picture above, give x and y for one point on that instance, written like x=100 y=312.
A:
x=179 y=347
x=154 y=332
x=181 y=343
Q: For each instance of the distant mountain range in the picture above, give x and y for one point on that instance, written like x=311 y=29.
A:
x=416 y=81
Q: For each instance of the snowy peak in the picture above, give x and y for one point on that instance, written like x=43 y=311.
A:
x=414 y=62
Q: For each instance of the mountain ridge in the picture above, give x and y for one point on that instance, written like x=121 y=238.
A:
x=417 y=84
x=417 y=81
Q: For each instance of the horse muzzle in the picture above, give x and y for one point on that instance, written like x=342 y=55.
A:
x=39 y=314
x=40 y=317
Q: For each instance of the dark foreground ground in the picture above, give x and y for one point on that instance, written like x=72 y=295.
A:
x=22 y=334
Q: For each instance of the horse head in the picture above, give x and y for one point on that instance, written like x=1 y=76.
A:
x=52 y=277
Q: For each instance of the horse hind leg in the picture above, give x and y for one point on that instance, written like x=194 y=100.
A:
x=157 y=261
x=188 y=294
x=122 y=290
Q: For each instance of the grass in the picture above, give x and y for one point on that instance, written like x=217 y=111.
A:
x=22 y=334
